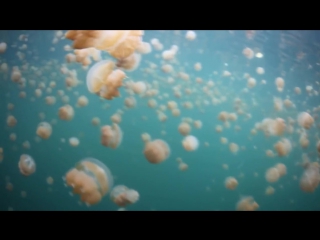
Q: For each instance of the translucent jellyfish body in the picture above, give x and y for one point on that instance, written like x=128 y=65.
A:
x=129 y=63
x=26 y=165
x=247 y=204
x=305 y=120
x=122 y=195
x=118 y=43
x=103 y=80
x=111 y=136
x=283 y=147
x=91 y=179
x=44 y=130
x=310 y=178
x=190 y=143
x=66 y=113
x=156 y=151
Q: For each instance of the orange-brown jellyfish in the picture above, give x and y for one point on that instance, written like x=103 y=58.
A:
x=44 y=130
x=305 y=120
x=247 y=204
x=66 y=112
x=310 y=178
x=118 y=43
x=104 y=81
x=26 y=165
x=122 y=195
x=111 y=136
x=156 y=151
x=91 y=179
x=130 y=63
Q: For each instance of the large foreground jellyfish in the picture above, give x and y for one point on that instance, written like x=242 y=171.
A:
x=118 y=43
x=91 y=179
x=103 y=80
x=122 y=195
x=26 y=165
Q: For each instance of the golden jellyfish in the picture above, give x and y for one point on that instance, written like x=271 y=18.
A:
x=260 y=70
x=103 y=80
x=74 y=142
x=111 y=136
x=130 y=102
x=116 y=118
x=310 y=178
x=231 y=183
x=139 y=87
x=50 y=100
x=304 y=141
x=270 y=153
x=168 y=55
x=318 y=146
x=152 y=103
x=49 y=180
x=297 y=90
x=91 y=179
x=232 y=117
x=197 y=66
x=156 y=151
x=11 y=121
x=144 y=48
x=282 y=169
x=175 y=112
x=190 y=143
x=118 y=43
x=44 y=130
x=130 y=63
x=82 y=101
x=269 y=190
x=247 y=204
x=233 y=147
x=197 y=124
x=26 y=165
x=183 y=166
x=251 y=82
x=305 y=120
x=66 y=112
x=191 y=35
x=248 y=53
x=279 y=83
x=283 y=147
x=3 y=47
x=95 y=121
x=122 y=195
x=272 y=175
x=13 y=136
x=223 y=140
x=223 y=116
x=146 y=137
x=184 y=128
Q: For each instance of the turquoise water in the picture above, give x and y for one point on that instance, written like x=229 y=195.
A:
x=163 y=186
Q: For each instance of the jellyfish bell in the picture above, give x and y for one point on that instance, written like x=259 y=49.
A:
x=130 y=63
x=190 y=143
x=310 y=178
x=26 y=165
x=44 y=130
x=111 y=136
x=305 y=120
x=247 y=204
x=118 y=43
x=156 y=151
x=97 y=74
x=90 y=179
x=122 y=195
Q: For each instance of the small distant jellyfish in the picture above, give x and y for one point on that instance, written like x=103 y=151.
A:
x=190 y=143
x=11 y=121
x=197 y=124
x=231 y=183
x=26 y=145
x=90 y=179
x=197 y=66
x=282 y=169
x=82 y=101
x=191 y=35
x=279 y=84
x=139 y=87
x=156 y=151
x=130 y=102
x=95 y=121
x=66 y=113
x=50 y=100
x=269 y=190
x=184 y=129
x=183 y=166
x=251 y=82
x=305 y=120
x=145 y=137
x=283 y=147
x=111 y=136
x=49 y=180
x=44 y=130
x=260 y=70
x=122 y=195
x=3 y=47
x=297 y=90
x=248 y=53
x=247 y=204
x=74 y=142
x=26 y=165
x=233 y=147
x=13 y=136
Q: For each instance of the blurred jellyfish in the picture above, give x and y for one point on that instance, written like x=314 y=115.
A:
x=247 y=204
x=44 y=130
x=130 y=63
x=122 y=195
x=91 y=179
x=74 y=142
x=26 y=165
x=310 y=178
x=190 y=143
x=305 y=120
x=111 y=136
x=66 y=113
x=231 y=183
x=156 y=151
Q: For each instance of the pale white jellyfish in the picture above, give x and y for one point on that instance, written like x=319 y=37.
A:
x=190 y=143
x=191 y=35
x=305 y=120
x=74 y=142
x=139 y=87
x=3 y=47
x=26 y=165
x=272 y=175
x=279 y=83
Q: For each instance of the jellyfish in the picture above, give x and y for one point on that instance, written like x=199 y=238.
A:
x=122 y=195
x=130 y=63
x=118 y=43
x=279 y=83
x=310 y=178
x=11 y=121
x=183 y=166
x=90 y=179
x=184 y=129
x=66 y=112
x=139 y=87
x=190 y=143
x=272 y=175
x=156 y=151
x=247 y=204
x=104 y=81
x=305 y=120
x=27 y=165
x=283 y=147
x=269 y=190
x=191 y=35
x=111 y=136
x=231 y=183
x=82 y=101
x=44 y=130
x=74 y=142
